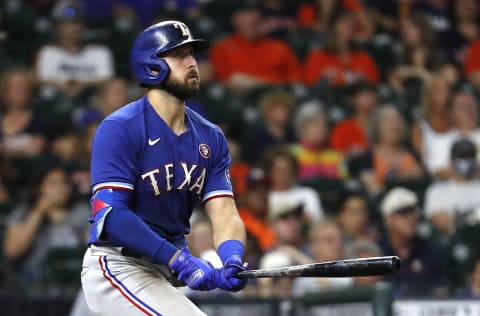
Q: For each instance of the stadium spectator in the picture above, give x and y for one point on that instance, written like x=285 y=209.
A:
x=69 y=64
x=23 y=131
x=450 y=201
x=465 y=116
x=364 y=249
x=275 y=287
x=437 y=13
x=386 y=13
x=112 y=95
x=423 y=268
x=353 y=217
x=325 y=244
x=238 y=168
x=274 y=129
x=338 y=64
x=247 y=59
x=419 y=50
x=286 y=222
x=433 y=133
x=465 y=29
x=51 y=219
x=281 y=168
x=391 y=159
x=254 y=210
x=279 y=18
x=471 y=67
x=314 y=155
x=352 y=136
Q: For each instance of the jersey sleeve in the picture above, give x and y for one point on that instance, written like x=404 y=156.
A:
x=113 y=158
x=217 y=183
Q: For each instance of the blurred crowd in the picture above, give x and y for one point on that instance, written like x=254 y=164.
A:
x=353 y=127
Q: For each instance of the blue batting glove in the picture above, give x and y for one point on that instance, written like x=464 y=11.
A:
x=225 y=278
x=231 y=252
x=196 y=273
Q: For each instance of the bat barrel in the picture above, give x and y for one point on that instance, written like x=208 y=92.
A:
x=340 y=268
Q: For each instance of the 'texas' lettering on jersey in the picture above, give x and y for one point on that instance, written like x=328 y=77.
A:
x=189 y=182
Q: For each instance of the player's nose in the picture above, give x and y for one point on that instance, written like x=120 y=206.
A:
x=191 y=61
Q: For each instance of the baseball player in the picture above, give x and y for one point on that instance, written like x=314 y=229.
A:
x=153 y=160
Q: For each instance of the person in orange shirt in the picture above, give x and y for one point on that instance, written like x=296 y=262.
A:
x=337 y=63
x=391 y=158
x=248 y=59
x=254 y=212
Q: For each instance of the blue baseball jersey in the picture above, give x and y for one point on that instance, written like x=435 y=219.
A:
x=167 y=174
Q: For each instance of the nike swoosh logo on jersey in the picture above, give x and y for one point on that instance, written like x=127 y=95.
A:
x=153 y=142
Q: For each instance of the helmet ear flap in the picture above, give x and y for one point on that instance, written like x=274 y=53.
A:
x=152 y=72
x=159 y=69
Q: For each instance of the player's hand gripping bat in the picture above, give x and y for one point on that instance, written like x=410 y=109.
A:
x=339 y=268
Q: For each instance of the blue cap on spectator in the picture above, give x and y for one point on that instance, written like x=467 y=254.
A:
x=67 y=10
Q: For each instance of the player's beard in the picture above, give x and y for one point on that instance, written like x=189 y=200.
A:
x=185 y=89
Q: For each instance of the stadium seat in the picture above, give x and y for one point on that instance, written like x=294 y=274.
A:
x=463 y=250
x=61 y=270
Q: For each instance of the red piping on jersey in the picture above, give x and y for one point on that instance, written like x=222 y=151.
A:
x=120 y=289
x=218 y=196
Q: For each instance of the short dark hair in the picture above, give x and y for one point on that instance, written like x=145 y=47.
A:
x=279 y=152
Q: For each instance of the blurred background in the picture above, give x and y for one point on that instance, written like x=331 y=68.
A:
x=353 y=127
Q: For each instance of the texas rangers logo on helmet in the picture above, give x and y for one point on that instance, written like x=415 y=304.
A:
x=204 y=150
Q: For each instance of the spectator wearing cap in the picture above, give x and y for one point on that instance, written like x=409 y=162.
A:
x=449 y=201
x=337 y=63
x=280 y=287
x=69 y=64
x=315 y=157
x=254 y=209
x=281 y=168
x=247 y=58
x=423 y=267
x=276 y=108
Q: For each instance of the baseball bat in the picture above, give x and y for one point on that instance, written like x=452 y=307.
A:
x=339 y=268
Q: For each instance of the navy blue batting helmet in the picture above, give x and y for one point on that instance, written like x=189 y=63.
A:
x=151 y=43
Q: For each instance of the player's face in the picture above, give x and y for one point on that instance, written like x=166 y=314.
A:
x=183 y=80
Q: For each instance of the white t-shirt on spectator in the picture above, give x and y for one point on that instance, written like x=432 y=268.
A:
x=295 y=196
x=91 y=63
x=452 y=196
x=436 y=147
